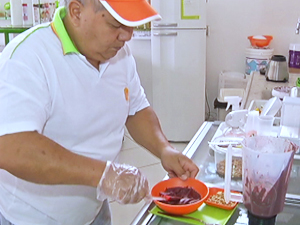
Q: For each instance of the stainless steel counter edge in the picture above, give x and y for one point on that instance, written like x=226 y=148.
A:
x=143 y=217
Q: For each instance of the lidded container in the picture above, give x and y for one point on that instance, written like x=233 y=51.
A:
x=257 y=58
x=294 y=58
x=259 y=54
x=231 y=133
x=220 y=147
x=36 y=12
x=27 y=15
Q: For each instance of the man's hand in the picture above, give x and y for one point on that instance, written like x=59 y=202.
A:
x=122 y=183
x=178 y=165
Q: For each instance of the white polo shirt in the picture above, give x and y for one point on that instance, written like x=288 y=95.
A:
x=48 y=86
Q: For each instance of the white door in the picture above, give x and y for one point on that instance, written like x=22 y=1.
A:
x=178 y=76
x=180 y=13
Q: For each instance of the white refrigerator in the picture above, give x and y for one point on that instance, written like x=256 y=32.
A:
x=178 y=55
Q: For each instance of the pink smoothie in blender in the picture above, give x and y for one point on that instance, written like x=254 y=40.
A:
x=267 y=163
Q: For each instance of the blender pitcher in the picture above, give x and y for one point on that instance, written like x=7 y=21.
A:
x=267 y=163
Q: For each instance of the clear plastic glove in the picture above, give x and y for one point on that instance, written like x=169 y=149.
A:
x=122 y=183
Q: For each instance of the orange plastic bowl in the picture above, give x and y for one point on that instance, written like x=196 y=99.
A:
x=214 y=191
x=258 y=42
x=199 y=186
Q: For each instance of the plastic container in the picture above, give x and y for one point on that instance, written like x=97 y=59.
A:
x=45 y=11
x=36 y=12
x=220 y=163
x=267 y=164
x=220 y=156
x=225 y=92
x=231 y=79
x=222 y=106
x=290 y=120
x=213 y=191
x=7 y=10
x=230 y=84
x=196 y=184
x=298 y=82
x=265 y=125
x=221 y=109
x=27 y=15
x=52 y=5
x=281 y=91
x=257 y=59
x=257 y=105
x=260 y=41
x=294 y=58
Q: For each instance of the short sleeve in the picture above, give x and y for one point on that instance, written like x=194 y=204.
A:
x=24 y=98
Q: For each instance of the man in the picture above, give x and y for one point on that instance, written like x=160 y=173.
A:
x=67 y=90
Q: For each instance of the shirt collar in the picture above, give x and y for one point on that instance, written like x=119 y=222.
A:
x=61 y=32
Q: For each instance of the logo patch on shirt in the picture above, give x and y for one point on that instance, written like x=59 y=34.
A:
x=126 y=93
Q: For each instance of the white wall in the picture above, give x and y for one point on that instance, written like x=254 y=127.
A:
x=232 y=21
x=2 y=2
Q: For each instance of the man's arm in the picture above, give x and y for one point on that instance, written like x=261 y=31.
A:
x=35 y=158
x=145 y=129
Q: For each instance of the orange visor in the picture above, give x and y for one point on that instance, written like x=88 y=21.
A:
x=131 y=13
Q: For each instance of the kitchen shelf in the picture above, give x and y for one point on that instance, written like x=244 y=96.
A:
x=11 y=30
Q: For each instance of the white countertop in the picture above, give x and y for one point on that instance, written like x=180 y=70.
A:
x=261 y=89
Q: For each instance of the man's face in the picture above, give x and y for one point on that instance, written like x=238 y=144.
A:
x=101 y=36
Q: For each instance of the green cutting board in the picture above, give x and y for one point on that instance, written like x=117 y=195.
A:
x=209 y=214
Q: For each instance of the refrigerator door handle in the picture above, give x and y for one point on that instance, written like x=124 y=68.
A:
x=165 y=34
x=165 y=25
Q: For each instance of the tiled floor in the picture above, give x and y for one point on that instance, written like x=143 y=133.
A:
x=135 y=155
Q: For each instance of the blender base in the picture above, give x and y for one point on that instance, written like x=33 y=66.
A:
x=257 y=220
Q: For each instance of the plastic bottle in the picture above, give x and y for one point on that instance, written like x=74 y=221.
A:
x=294 y=58
x=251 y=125
x=16 y=13
x=52 y=8
x=233 y=101
x=298 y=82
x=7 y=10
x=44 y=11
x=27 y=16
x=294 y=51
x=234 y=121
x=36 y=12
x=236 y=118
